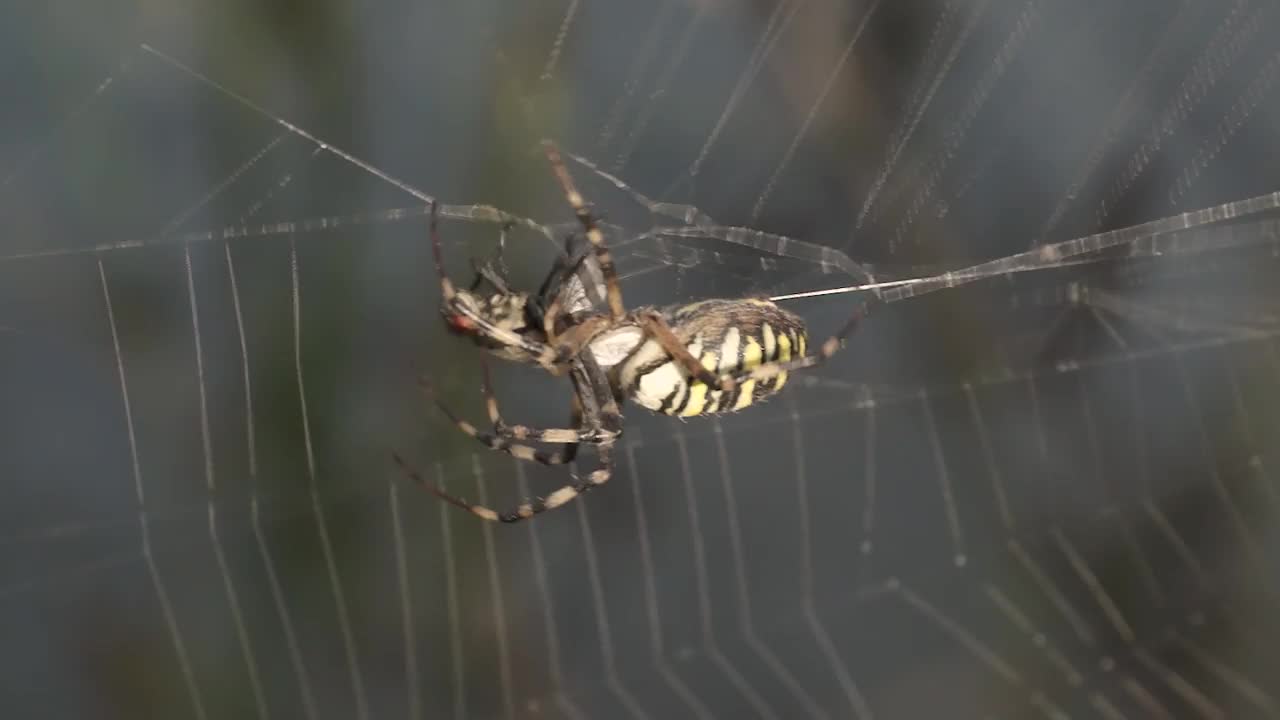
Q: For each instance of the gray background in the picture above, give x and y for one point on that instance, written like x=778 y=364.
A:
x=1036 y=494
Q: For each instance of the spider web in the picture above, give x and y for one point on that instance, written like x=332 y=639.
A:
x=1039 y=482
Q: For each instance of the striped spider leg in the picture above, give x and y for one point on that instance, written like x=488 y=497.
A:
x=650 y=321
x=504 y=437
x=598 y=422
x=654 y=323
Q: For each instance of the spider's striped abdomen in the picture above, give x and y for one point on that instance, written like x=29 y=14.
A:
x=726 y=336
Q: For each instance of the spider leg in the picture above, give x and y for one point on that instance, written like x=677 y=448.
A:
x=658 y=329
x=598 y=416
x=583 y=332
x=654 y=326
x=526 y=510
x=501 y=436
x=613 y=291
x=569 y=344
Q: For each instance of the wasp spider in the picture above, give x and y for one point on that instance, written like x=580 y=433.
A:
x=701 y=358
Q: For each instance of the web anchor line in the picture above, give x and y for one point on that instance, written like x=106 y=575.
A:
x=1046 y=257
x=1061 y=254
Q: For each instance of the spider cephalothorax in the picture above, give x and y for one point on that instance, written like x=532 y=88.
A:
x=707 y=357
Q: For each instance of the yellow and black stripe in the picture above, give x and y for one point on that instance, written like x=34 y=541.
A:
x=728 y=337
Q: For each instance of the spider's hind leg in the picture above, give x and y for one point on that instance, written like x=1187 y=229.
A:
x=600 y=420
x=526 y=510
x=502 y=435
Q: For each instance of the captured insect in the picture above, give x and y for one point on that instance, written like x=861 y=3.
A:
x=701 y=358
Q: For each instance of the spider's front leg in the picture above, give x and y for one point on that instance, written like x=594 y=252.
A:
x=613 y=291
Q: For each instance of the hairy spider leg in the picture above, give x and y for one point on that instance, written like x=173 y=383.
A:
x=501 y=436
x=613 y=291
x=690 y=214
x=652 y=323
x=601 y=418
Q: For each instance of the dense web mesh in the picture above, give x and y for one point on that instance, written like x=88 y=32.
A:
x=1040 y=481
